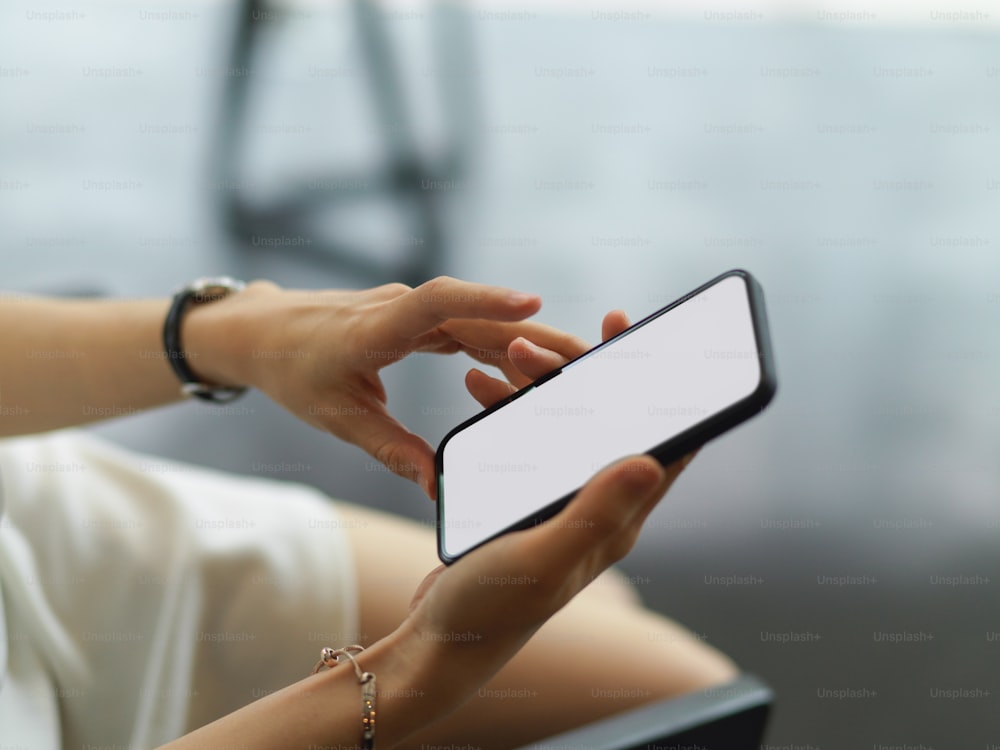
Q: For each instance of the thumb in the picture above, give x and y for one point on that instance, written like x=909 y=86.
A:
x=603 y=520
x=400 y=451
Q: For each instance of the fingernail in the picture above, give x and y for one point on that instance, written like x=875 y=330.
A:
x=427 y=484
x=520 y=298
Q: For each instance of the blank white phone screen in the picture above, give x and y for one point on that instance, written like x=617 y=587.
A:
x=627 y=397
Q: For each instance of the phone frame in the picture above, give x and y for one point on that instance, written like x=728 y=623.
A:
x=666 y=452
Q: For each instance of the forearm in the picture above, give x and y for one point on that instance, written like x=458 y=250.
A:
x=325 y=710
x=68 y=362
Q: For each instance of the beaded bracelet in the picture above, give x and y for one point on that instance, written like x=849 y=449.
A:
x=330 y=658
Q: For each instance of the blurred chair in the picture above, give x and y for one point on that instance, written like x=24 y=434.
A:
x=404 y=176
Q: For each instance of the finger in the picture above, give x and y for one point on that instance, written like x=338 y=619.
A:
x=672 y=471
x=614 y=323
x=534 y=361
x=486 y=390
x=440 y=342
x=600 y=525
x=488 y=340
x=444 y=298
x=435 y=342
x=400 y=451
x=386 y=292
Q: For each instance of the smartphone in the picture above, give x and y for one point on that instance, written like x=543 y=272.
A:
x=670 y=383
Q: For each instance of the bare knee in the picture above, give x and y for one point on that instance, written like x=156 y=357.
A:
x=670 y=656
x=692 y=663
x=614 y=587
x=391 y=555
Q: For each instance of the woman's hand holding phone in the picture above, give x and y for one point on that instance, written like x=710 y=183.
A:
x=468 y=619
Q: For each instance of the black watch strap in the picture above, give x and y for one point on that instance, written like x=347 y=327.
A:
x=201 y=290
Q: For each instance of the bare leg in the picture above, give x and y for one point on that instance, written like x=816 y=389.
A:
x=564 y=677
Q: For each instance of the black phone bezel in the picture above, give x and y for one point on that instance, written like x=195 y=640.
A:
x=667 y=451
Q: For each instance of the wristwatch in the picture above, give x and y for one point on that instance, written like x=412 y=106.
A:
x=197 y=292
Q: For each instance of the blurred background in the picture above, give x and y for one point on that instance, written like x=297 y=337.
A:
x=844 y=545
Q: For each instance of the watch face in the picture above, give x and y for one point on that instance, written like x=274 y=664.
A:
x=210 y=289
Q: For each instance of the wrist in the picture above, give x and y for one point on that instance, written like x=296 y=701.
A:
x=414 y=688
x=208 y=348
x=213 y=343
